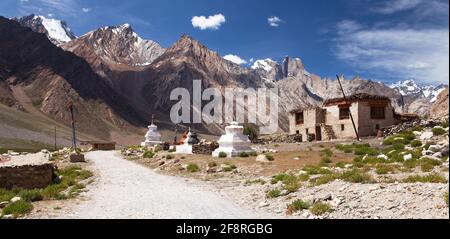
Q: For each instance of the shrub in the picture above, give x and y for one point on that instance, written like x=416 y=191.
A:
x=324 y=179
x=251 y=132
x=148 y=154
x=344 y=148
x=438 y=131
x=326 y=153
x=430 y=178
x=366 y=151
x=384 y=169
x=18 y=208
x=278 y=178
x=253 y=154
x=6 y=195
x=170 y=156
x=297 y=205
x=223 y=155
x=446 y=198
x=320 y=208
x=229 y=167
x=291 y=183
x=212 y=164
x=244 y=155
x=315 y=170
x=270 y=157
x=303 y=177
x=445 y=125
x=427 y=164
x=416 y=143
x=31 y=195
x=192 y=168
x=325 y=161
x=417 y=129
x=274 y=193
x=354 y=176
x=340 y=165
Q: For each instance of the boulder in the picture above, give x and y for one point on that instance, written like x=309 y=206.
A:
x=444 y=151
x=435 y=148
x=407 y=157
x=382 y=156
x=426 y=136
x=262 y=158
x=3 y=204
x=15 y=199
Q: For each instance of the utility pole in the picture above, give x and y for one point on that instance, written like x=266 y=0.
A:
x=74 y=139
x=55 y=138
x=349 y=108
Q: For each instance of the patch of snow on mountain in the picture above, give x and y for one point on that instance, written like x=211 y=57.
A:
x=263 y=64
x=55 y=29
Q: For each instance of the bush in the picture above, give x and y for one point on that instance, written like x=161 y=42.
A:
x=384 y=169
x=274 y=193
x=366 y=151
x=6 y=195
x=18 y=208
x=170 y=156
x=417 y=129
x=148 y=154
x=229 y=167
x=326 y=153
x=270 y=157
x=427 y=164
x=416 y=143
x=192 y=168
x=244 y=155
x=316 y=170
x=431 y=178
x=344 y=148
x=438 y=131
x=297 y=205
x=253 y=154
x=325 y=161
x=324 y=179
x=320 y=208
x=291 y=183
x=354 y=176
x=31 y=195
x=445 y=125
x=212 y=164
x=251 y=133
x=223 y=155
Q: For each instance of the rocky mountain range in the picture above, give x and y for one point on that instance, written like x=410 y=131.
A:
x=119 y=79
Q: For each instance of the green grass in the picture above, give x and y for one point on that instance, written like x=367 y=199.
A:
x=71 y=176
x=320 y=208
x=416 y=143
x=383 y=169
x=212 y=164
x=244 y=155
x=316 y=170
x=427 y=164
x=19 y=145
x=355 y=176
x=430 y=178
x=18 y=208
x=344 y=148
x=290 y=182
x=33 y=195
x=274 y=193
x=170 y=156
x=257 y=181
x=446 y=198
x=417 y=129
x=444 y=124
x=229 y=167
x=192 y=168
x=326 y=153
x=297 y=205
x=324 y=179
x=438 y=131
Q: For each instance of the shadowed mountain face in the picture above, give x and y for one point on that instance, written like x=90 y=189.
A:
x=54 y=78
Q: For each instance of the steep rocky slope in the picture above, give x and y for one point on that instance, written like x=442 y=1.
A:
x=440 y=107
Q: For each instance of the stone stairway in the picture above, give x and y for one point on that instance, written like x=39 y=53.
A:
x=329 y=132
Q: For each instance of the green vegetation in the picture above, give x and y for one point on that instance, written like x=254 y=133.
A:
x=31 y=195
x=290 y=182
x=270 y=157
x=18 y=208
x=148 y=154
x=446 y=198
x=228 y=167
x=6 y=195
x=170 y=156
x=344 y=148
x=257 y=181
x=192 y=168
x=326 y=153
x=251 y=132
x=358 y=149
x=244 y=155
x=417 y=129
x=316 y=170
x=19 y=145
x=297 y=205
x=274 y=193
x=223 y=155
x=212 y=164
x=403 y=138
x=444 y=124
x=70 y=178
x=320 y=208
x=427 y=164
x=416 y=143
x=385 y=169
x=430 y=178
x=438 y=131
x=355 y=176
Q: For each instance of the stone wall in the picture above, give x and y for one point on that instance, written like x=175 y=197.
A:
x=26 y=176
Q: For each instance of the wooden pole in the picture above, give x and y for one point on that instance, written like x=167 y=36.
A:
x=74 y=139
x=349 y=109
x=55 y=138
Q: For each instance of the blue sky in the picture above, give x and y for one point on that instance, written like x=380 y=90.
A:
x=382 y=40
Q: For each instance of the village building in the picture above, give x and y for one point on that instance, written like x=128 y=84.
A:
x=370 y=113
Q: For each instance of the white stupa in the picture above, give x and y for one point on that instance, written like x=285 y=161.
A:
x=233 y=142
x=152 y=137
x=186 y=147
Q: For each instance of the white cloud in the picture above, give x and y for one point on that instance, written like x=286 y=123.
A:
x=396 y=53
x=50 y=15
x=274 y=21
x=252 y=59
x=235 y=59
x=85 y=9
x=211 y=22
x=61 y=7
x=394 y=6
x=348 y=26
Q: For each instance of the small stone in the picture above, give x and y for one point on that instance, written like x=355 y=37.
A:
x=435 y=148
x=15 y=199
x=3 y=204
x=426 y=136
x=335 y=202
x=407 y=157
x=262 y=159
x=382 y=156
x=297 y=158
x=9 y=216
x=44 y=151
x=437 y=155
x=264 y=204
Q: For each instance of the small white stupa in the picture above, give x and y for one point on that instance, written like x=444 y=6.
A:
x=152 y=137
x=233 y=142
x=186 y=148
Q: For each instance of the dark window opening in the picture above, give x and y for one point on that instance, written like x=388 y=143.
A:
x=307 y=131
x=377 y=127
x=344 y=113
x=299 y=119
x=297 y=132
x=377 y=113
x=342 y=127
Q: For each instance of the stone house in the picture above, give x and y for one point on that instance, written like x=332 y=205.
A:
x=332 y=121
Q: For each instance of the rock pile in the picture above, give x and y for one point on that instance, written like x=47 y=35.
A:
x=280 y=138
x=205 y=148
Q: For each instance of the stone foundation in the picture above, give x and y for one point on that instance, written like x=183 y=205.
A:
x=205 y=149
x=27 y=176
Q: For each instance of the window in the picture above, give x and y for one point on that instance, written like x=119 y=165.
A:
x=299 y=118
x=377 y=127
x=344 y=113
x=342 y=127
x=307 y=131
x=377 y=113
x=297 y=132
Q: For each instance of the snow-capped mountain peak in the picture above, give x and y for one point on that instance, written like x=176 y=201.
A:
x=411 y=88
x=266 y=64
x=57 y=31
